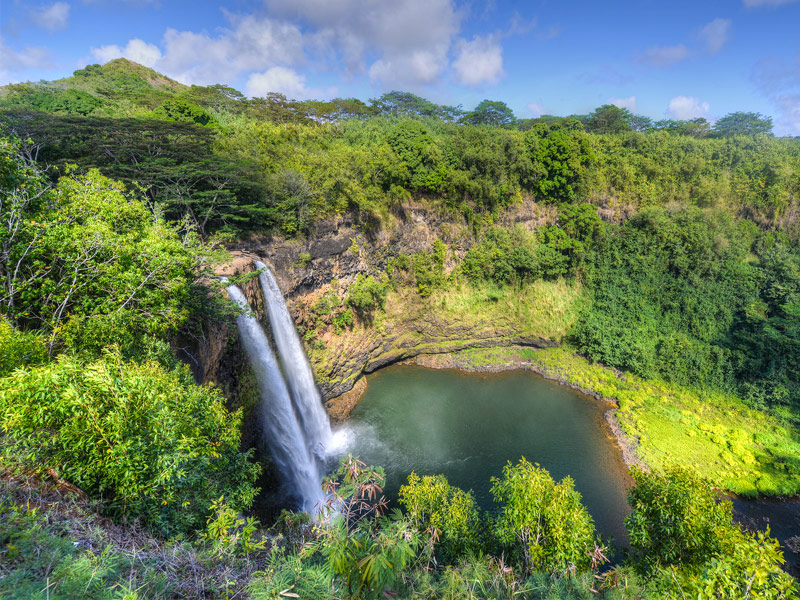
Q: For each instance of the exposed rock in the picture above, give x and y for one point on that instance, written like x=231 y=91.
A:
x=339 y=408
x=339 y=248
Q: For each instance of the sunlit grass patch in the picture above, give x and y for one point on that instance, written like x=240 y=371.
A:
x=735 y=447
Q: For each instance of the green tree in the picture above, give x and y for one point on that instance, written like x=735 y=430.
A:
x=542 y=523
x=448 y=514
x=609 y=119
x=366 y=294
x=686 y=541
x=743 y=123
x=564 y=157
x=184 y=112
x=490 y=112
x=675 y=519
x=89 y=264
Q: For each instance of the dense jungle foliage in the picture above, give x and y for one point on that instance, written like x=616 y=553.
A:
x=115 y=185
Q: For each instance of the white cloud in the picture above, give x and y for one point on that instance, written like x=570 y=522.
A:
x=788 y=122
x=405 y=44
x=401 y=43
x=284 y=81
x=479 y=61
x=13 y=63
x=53 y=17
x=684 y=108
x=251 y=44
x=757 y=3
x=665 y=56
x=628 y=103
x=716 y=34
x=136 y=50
x=536 y=109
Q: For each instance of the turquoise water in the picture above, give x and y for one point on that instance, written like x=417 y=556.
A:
x=469 y=425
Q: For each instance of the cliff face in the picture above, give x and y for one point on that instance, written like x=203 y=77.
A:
x=335 y=252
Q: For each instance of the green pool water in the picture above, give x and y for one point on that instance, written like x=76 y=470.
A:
x=469 y=425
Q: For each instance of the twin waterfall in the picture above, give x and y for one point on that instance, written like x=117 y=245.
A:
x=294 y=422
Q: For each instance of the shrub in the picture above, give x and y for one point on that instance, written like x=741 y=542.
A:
x=149 y=441
x=366 y=294
x=184 y=112
x=675 y=520
x=447 y=512
x=542 y=523
x=687 y=542
x=19 y=349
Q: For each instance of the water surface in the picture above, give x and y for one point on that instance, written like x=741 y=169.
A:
x=469 y=425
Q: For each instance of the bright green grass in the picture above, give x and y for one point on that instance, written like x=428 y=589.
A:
x=545 y=309
x=733 y=446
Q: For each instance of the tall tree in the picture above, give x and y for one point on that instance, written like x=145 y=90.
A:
x=609 y=119
x=490 y=112
x=743 y=123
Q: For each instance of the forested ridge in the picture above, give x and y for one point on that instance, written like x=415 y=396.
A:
x=672 y=246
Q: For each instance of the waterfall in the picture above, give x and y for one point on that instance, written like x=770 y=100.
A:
x=283 y=431
x=296 y=368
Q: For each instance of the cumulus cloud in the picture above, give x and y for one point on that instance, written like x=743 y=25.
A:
x=479 y=61
x=536 y=109
x=248 y=44
x=628 y=103
x=136 y=50
x=758 y=3
x=684 y=108
x=284 y=81
x=53 y=17
x=716 y=34
x=405 y=42
x=665 y=56
x=251 y=43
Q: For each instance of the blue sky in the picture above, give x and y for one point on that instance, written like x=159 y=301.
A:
x=676 y=59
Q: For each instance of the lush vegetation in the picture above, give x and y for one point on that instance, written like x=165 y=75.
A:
x=667 y=250
x=94 y=286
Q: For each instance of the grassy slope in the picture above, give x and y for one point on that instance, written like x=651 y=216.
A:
x=449 y=319
x=735 y=447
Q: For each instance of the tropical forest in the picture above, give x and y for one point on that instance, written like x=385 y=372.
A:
x=390 y=348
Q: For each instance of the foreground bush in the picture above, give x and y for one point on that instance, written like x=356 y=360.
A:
x=447 y=512
x=149 y=441
x=542 y=523
x=687 y=542
x=19 y=348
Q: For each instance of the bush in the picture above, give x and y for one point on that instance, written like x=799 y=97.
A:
x=675 y=520
x=687 y=542
x=184 y=112
x=149 y=441
x=19 y=349
x=542 y=523
x=366 y=294
x=448 y=513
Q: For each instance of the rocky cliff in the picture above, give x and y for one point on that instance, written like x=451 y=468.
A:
x=328 y=260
